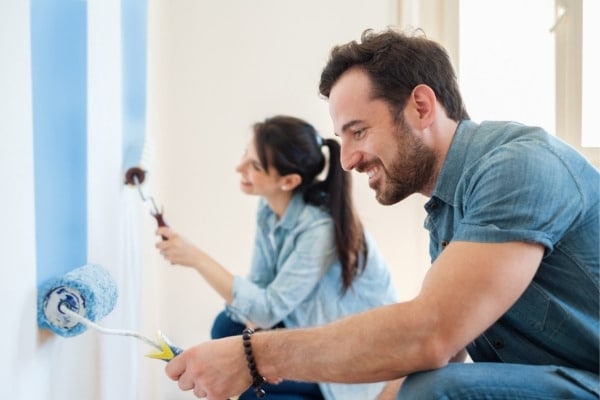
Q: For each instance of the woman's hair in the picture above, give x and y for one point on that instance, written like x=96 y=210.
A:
x=293 y=146
x=396 y=63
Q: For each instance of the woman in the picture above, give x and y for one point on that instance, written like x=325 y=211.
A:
x=312 y=263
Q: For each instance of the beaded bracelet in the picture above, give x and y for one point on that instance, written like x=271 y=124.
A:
x=257 y=379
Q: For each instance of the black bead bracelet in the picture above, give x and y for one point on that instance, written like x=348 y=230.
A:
x=257 y=379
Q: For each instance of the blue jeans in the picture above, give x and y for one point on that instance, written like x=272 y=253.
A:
x=500 y=381
x=224 y=326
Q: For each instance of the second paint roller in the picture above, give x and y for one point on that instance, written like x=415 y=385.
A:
x=69 y=304
x=135 y=176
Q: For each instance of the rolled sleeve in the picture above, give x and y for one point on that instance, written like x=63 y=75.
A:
x=508 y=198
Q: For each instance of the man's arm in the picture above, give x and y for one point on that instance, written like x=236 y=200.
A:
x=466 y=290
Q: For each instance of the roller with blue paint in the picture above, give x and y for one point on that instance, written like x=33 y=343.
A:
x=69 y=304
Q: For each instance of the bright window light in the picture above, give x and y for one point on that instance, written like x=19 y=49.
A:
x=590 y=132
x=506 y=60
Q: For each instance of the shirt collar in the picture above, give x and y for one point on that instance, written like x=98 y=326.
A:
x=290 y=217
x=454 y=163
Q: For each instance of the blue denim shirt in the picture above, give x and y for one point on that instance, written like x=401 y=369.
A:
x=295 y=277
x=502 y=182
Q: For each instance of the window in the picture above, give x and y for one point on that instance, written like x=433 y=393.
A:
x=574 y=30
x=529 y=61
x=506 y=59
x=590 y=133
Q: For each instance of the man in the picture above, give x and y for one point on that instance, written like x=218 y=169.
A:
x=513 y=218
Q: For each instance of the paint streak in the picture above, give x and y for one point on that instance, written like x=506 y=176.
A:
x=59 y=84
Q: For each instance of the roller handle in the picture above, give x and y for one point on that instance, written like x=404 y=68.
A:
x=167 y=350
x=176 y=350
x=160 y=222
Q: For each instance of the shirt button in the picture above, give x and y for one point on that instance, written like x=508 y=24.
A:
x=444 y=244
x=498 y=344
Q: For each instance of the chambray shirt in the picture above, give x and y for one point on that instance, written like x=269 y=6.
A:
x=295 y=277
x=503 y=182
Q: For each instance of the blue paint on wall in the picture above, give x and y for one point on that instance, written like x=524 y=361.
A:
x=133 y=39
x=59 y=83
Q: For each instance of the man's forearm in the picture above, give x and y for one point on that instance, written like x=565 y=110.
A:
x=367 y=341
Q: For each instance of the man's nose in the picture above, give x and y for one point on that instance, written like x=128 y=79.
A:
x=349 y=157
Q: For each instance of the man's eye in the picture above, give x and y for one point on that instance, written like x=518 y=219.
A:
x=358 y=133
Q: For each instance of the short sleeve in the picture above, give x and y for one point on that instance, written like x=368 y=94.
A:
x=517 y=193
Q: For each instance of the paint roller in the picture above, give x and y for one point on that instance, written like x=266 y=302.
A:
x=135 y=176
x=70 y=304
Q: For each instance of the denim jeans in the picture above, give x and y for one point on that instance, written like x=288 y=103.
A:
x=500 y=381
x=287 y=390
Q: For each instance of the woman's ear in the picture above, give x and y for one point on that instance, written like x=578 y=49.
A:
x=289 y=182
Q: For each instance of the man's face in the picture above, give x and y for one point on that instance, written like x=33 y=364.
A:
x=387 y=149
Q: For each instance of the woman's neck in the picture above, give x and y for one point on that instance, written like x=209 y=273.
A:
x=279 y=203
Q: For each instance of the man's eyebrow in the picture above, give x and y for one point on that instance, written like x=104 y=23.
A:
x=347 y=126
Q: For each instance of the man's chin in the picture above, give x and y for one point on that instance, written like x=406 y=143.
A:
x=383 y=199
x=381 y=195
x=387 y=199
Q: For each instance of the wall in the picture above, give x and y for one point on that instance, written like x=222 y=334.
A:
x=18 y=336
x=38 y=364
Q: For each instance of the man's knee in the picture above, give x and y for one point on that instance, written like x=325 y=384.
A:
x=439 y=384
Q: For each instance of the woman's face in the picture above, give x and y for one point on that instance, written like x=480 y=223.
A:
x=255 y=180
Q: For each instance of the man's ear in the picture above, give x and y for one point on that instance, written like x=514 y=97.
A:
x=424 y=101
x=290 y=182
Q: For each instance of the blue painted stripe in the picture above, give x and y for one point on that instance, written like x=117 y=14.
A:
x=133 y=38
x=59 y=82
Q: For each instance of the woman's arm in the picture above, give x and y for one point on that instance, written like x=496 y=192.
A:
x=306 y=255
x=178 y=251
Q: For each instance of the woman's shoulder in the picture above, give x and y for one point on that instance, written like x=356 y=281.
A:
x=313 y=214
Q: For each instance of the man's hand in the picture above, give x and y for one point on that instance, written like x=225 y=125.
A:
x=214 y=370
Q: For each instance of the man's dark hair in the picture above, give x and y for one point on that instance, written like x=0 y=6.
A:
x=396 y=63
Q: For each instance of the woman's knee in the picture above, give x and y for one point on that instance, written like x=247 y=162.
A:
x=224 y=326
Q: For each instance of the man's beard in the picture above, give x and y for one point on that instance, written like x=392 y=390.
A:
x=410 y=172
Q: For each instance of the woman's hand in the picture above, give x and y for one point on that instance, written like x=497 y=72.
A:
x=177 y=250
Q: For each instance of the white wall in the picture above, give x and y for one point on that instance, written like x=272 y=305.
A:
x=17 y=240
x=214 y=69
x=39 y=365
